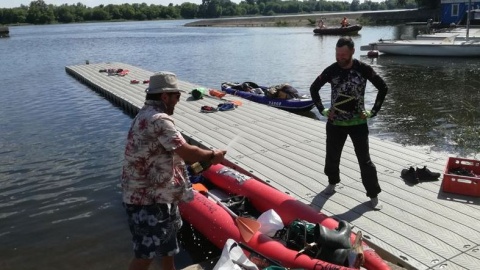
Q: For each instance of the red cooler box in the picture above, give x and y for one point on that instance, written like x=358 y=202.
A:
x=462 y=184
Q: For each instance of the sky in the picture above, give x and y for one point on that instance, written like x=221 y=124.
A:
x=94 y=3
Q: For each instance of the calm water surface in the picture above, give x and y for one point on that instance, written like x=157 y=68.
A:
x=61 y=144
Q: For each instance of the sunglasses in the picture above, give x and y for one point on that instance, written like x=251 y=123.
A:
x=177 y=95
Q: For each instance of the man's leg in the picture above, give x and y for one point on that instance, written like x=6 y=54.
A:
x=143 y=258
x=167 y=263
x=336 y=137
x=359 y=136
x=169 y=241
x=154 y=229
x=139 y=264
x=169 y=227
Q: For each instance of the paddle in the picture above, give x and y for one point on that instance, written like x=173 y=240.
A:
x=251 y=250
x=247 y=227
x=356 y=257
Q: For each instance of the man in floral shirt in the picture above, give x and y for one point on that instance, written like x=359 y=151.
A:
x=154 y=177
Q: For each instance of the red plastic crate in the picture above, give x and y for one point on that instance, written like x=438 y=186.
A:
x=460 y=184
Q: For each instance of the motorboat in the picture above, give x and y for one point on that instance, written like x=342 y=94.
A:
x=449 y=47
x=348 y=30
x=459 y=34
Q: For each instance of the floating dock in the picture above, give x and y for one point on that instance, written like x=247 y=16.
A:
x=419 y=227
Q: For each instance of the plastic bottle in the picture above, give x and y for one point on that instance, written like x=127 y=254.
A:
x=200 y=166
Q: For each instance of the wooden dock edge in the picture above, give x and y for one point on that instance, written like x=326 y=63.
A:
x=126 y=105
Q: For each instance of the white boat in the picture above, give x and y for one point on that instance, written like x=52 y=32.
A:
x=456 y=33
x=445 y=47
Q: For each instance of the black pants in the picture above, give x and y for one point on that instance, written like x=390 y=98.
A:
x=336 y=137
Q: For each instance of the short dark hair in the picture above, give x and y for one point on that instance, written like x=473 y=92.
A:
x=345 y=41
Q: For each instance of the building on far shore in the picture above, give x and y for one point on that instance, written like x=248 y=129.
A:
x=455 y=11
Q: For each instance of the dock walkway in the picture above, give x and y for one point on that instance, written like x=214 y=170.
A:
x=419 y=227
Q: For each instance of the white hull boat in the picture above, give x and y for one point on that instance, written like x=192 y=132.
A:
x=446 y=47
x=459 y=34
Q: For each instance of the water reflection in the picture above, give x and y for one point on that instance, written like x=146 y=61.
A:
x=432 y=101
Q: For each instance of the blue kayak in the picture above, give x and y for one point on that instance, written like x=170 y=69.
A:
x=292 y=103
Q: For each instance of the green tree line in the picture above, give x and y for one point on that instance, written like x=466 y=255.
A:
x=38 y=12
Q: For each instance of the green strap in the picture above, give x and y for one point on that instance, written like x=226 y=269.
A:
x=349 y=98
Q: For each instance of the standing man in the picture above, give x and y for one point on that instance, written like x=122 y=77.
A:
x=154 y=177
x=347 y=115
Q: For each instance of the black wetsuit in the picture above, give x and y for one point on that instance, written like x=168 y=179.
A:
x=347 y=106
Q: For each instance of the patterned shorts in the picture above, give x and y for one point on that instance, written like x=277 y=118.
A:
x=154 y=229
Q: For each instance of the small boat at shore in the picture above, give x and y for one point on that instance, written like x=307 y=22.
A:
x=431 y=45
x=459 y=34
x=4 y=31
x=209 y=216
x=349 y=30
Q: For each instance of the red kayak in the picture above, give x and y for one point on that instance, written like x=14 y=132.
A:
x=217 y=225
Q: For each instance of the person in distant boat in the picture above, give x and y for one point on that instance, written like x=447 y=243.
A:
x=154 y=175
x=321 y=24
x=429 y=26
x=347 y=115
x=344 y=22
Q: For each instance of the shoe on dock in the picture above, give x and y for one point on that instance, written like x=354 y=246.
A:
x=425 y=174
x=376 y=204
x=329 y=190
x=226 y=106
x=208 y=109
x=410 y=175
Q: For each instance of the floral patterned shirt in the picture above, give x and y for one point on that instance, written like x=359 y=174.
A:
x=152 y=172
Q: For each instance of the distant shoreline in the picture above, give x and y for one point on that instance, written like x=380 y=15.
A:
x=330 y=19
x=275 y=21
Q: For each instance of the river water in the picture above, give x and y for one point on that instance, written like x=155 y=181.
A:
x=61 y=144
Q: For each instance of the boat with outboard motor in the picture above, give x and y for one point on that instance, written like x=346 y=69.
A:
x=347 y=30
x=281 y=96
x=220 y=187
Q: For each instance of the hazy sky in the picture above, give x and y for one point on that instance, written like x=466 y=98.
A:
x=94 y=3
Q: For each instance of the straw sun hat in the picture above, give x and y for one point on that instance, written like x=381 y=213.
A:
x=163 y=82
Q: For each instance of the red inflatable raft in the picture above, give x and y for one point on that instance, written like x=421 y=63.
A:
x=217 y=225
